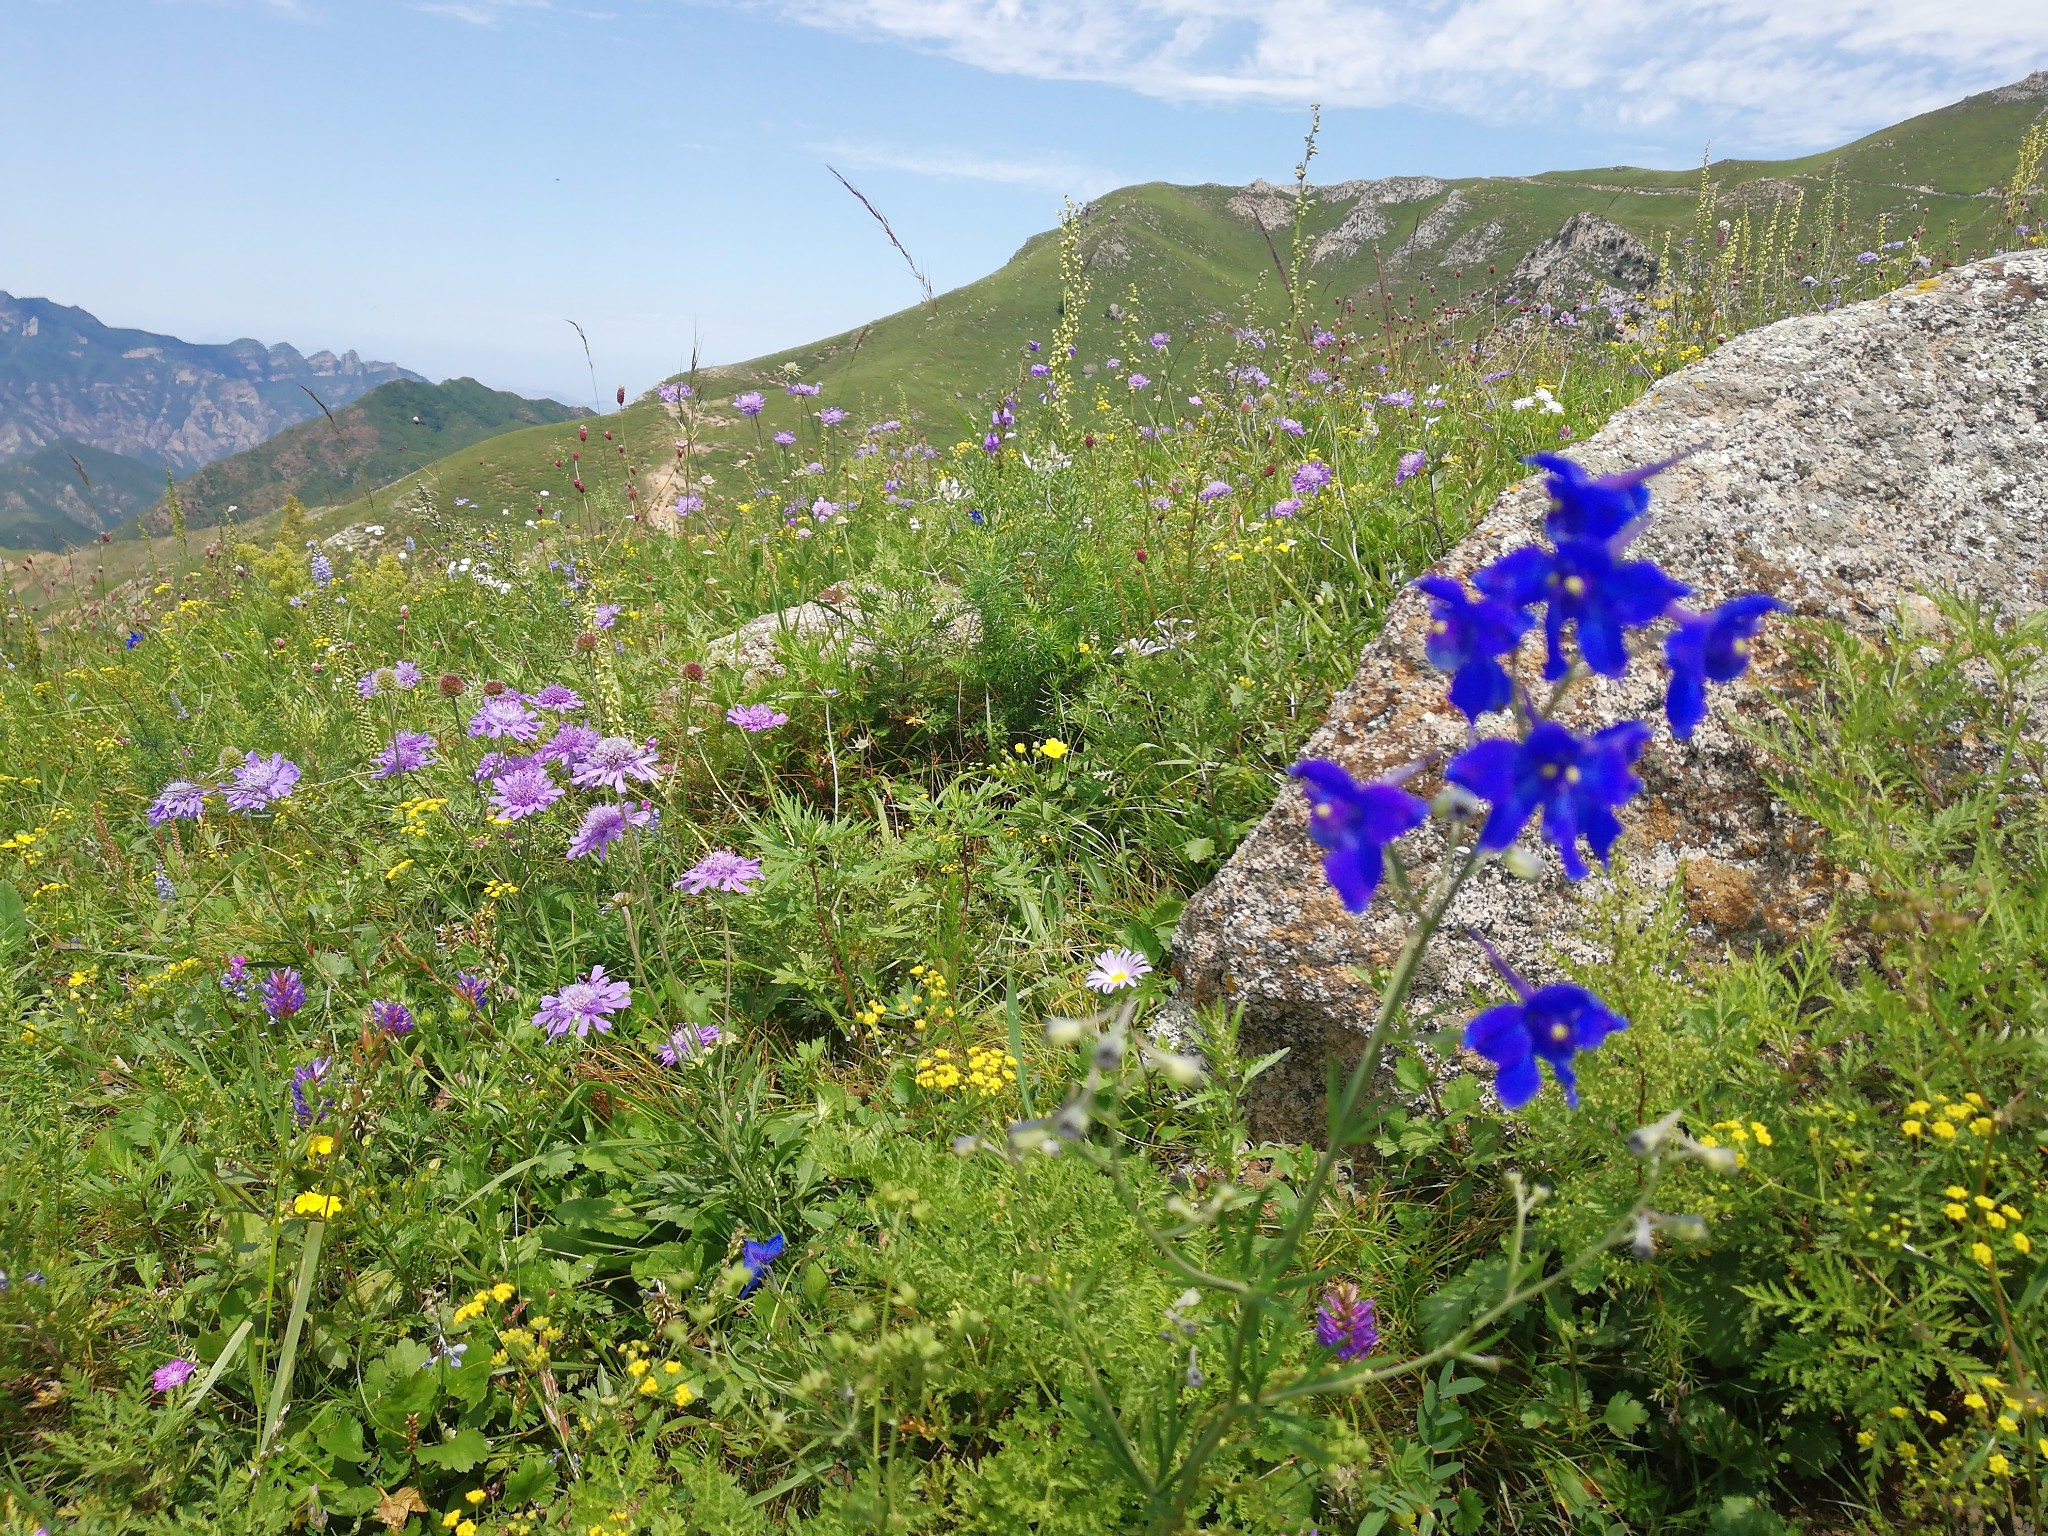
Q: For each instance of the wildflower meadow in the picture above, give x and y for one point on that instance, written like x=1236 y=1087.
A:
x=486 y=1050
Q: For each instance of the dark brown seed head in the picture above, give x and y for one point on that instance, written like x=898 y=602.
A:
x=586 y=642
x=693 y=672
x=451 y=686
x=494 y=689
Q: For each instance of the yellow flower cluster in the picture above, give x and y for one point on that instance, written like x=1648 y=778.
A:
x=169 y=976
x=1942 y=1118
x=313 y=1203
x=986 y=1071
x=651 y=1380
x=497 y=890
x=416 y=814
x=927 y=1001
x=1266 y=544
x=1739 y=1135
x=474 y=1307
x=1965 y=1207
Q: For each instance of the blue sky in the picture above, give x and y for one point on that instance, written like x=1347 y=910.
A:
x=444 y=183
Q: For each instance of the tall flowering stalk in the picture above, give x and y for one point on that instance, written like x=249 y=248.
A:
x=1585 y=597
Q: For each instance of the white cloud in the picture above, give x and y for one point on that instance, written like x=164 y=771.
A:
x=1785 y=71
x=1058 y=176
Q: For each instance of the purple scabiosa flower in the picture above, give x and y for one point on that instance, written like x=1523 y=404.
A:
x=755 y=717
x=1353 y=823
x=522 y=792
x=1584 y=585
x=1467 y=638
x=1138 y=381
x=832 y=415
x=179 y=800
x=1311 y=477
x=1709 y=648
x=409 y=752
x=568 y=745
x=603 y=825
x=1399 y=397
x=1160 y=341
x=608 y=613
x=1495 y=378
x=783 y=439
x=720 y=870
x=1865 y=258
x=755 y=1258
x=1411 y=464
x=1215 y=490
x=584 y=1005
x=504 y=717
x=1575 y=781
x=750 y=403
x=368 y=686
x=1286 y=507
x=1546 y=1024
x=557 y=697
x=235 y=979
x=474 y=990
x=1587 y=506
x=284 y=994
x=405 y=676
x=801 y=391
x=1116 y=970
x=308 y=1107
x=260 y=781
x=612 y=760
x=1347 y=1323
x=491 y=764
x=172 y=1375
x=687 y=1044
x=1291 y=427
x=392 y=1018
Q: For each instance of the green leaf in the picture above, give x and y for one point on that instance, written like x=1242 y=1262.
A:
x=1198 y=850
x=13 y=918
x=340 y=1435
x=1624 y=1416
x=532 y=1482
x=458 y=1455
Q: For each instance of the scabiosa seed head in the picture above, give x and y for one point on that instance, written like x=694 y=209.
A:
x=449 y=686
x=584 y=643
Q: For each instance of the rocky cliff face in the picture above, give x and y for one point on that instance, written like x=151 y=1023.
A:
x=1846 y=463
x=177 y=404
x=1588 y=255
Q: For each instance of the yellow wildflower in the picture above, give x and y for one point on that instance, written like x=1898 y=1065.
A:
x=502 y=1293
x=1053 y=748
x=1944 y=1131
x=1981 y=1252
x=312 y=1203
x=1910 y=1127
x=1973 y=1401
x=1998 y=1465
x=320 y=1146
x=2022 y=1242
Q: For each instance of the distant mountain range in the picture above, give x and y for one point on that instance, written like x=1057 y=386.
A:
x=174 y=404
x=64 y=494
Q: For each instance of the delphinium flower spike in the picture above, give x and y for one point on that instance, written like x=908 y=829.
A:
x=1575 y=781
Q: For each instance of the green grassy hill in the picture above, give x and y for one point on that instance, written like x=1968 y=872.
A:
x=393 y=430
x=45 y=504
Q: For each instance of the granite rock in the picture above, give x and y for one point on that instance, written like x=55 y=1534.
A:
x=1848 y=463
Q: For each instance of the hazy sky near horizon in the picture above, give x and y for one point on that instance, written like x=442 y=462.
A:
x=446 y=183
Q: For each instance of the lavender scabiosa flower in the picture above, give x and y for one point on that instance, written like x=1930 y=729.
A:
x=584 y=1005
x=784 y=439
x=1138 y=381
x=608 y=613
x=1347 y=1323
x=1117 y=970
x=750 y=403
x=1353 y=823
x=172 y=1375
x=1160 y=340
x=503 y=716
x=1287 y=506
x=687 y=503
x=755 y=1258
x=1709 y=648
x=392 y=1018
x=755 y=717
x=612 y=760
x=558 y=698
x=308 y=1107
x=687 y=1044
x=1399 y=397
x=720 y=870
x=603 y=825
x=235 y=979
x=1215 y=490
x=801 y=391
x=368 y=685
x=1311 y=477
x=408 y=752
x=284 y=994
x=1412 y=464
x=405 y=676
x=832 y=415
x=260 y=781
x=179 y=800
x=522 y=792
x=568 y=744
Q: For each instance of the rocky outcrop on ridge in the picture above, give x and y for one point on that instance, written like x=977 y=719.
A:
x=1847 y=463
x=1588 y=255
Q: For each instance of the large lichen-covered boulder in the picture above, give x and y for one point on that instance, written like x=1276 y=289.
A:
x=1846 y=463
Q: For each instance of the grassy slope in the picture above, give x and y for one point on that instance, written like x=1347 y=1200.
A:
x=1191 y=261
x=44 y=505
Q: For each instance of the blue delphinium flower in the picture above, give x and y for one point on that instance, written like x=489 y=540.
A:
x=1550 y=1024
x=1576 y=781
x=1583 y=584
x=1593 y=506
x=134 y=638
x=1708 y=648
x=1467 y=638
x=1353 y=823
x=755 y=1258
